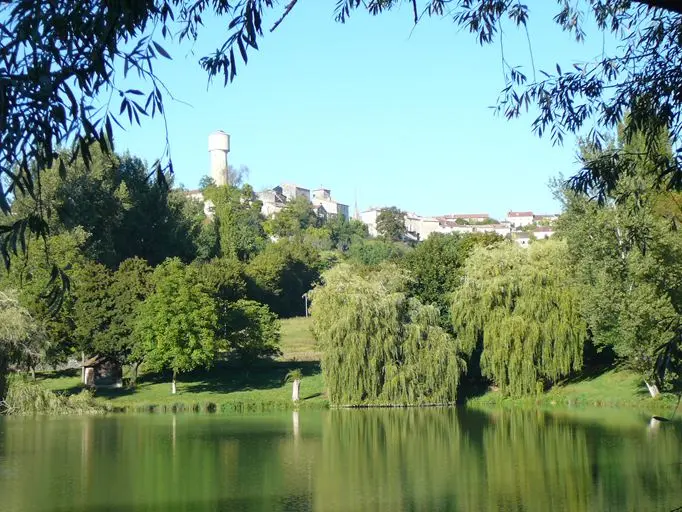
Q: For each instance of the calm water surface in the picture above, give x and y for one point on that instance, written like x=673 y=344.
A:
x=383 y=460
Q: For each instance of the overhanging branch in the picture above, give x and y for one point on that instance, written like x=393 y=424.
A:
x=668 y=5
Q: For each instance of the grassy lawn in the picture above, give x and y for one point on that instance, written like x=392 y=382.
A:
x=298 y=343
x=261 y=386
x=225 y=387
x=609 y=389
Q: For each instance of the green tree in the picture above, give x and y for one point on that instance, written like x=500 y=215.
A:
x=31 y=275
x=344 y=232
x=125 y=215
x=297 y=216
x=177 y=323
x=374 y=252
x=282 y=273
x=379 y=345
x=521 y=306
x=436 y=265
x=391 y=224
x=224 y=278
x=22 y=340
x=93 y=309
x=251 y=330
x=625 y=254
x=239 y=223
x=130 y=287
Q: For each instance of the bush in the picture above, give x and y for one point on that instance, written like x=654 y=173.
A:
x=29 y=398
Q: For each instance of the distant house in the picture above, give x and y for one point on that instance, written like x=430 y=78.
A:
x=102 y=371
x=522 y=238
x=503 y=229
x=322 y=198
x=422 y=227
x=451 y=226
x=473 y=218
x=543 y=232
x=272 y=200
x=369 y=217
x=520 y=219
x=546 y=220
x=291 y=191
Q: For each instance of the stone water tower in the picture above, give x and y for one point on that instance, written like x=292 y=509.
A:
x=218 y=148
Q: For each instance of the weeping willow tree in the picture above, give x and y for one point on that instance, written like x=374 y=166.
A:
x=520 y=305
x=379 y=345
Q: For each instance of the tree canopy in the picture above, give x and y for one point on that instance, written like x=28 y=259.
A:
x=520 y=305
x=391 y=224
x=380 y=345
x=177 y=323
x=625 y=254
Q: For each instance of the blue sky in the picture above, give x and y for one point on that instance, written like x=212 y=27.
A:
x=399 y=116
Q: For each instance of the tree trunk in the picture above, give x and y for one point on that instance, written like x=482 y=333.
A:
x=33 y=372
x=295 y=390
x=653 y=389
x=4 y=370
x=174 y=388
x=83 y=366
x=133 y=379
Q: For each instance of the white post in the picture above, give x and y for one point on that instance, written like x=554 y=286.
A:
x=295 y=390
x=653 y=389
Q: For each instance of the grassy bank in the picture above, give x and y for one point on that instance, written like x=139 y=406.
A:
x=621 y=389
x=227 y=388
x=224 y=388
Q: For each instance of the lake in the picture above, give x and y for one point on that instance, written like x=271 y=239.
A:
x=345 y=460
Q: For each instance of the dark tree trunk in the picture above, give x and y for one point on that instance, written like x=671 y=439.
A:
x=4 y=371
x=135 y=370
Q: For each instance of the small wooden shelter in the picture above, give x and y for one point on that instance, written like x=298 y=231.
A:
x=102 y=371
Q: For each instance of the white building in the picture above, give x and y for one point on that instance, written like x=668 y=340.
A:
x=422 y=227
x=522 y=238
x=369 y=217
x=322 y=198
x=450 y=226
x=543 y=232
x=472 y=218
x=520 y=219
x=503 y=229
x=273 y=201
x=291 y=191
x=546 y=220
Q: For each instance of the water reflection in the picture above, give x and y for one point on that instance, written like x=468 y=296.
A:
x=397 y=460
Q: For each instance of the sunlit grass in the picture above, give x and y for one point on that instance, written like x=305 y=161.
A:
x=298 y=343
x=609 y=389
x=224 y=387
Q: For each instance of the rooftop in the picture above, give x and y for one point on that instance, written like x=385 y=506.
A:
x=466 y=216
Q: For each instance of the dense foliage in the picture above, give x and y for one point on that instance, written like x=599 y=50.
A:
x=398 y=323
x=391 y=224
x=379 y=344
x=152 y=282
x=626 y=255
x=436 y=265
x=521 y=307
